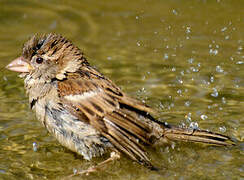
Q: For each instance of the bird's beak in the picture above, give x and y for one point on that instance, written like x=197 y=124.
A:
x=19 y=65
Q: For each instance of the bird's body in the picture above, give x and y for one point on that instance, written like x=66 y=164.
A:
x=85 y=111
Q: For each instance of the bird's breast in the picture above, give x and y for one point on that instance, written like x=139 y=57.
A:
x=75 y=134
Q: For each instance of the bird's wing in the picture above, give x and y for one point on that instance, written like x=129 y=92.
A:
x=96 y=100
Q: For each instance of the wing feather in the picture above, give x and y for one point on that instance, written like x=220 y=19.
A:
x=99 y=101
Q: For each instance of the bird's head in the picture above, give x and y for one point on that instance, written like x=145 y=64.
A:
x=48 y=57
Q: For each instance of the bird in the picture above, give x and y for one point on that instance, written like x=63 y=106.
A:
x=86 y=112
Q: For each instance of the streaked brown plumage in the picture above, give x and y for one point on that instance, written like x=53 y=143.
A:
x=85 y=111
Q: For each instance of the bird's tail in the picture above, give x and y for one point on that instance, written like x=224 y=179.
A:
x=195 y=135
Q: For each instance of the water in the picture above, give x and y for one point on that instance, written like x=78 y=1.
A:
x=185 y=59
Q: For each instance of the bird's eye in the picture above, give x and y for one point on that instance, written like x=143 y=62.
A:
x=39 y=60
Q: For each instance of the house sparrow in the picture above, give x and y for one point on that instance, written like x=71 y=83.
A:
x=85 y=111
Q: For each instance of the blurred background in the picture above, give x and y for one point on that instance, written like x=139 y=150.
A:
x=183 y=58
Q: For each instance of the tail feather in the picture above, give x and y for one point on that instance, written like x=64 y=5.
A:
x=195 y=135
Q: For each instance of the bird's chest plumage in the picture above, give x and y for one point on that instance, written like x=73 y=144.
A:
x=70 y=131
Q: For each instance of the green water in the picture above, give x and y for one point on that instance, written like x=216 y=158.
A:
x=183 y=58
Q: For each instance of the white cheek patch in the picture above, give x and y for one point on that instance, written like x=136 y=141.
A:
x=85 y=95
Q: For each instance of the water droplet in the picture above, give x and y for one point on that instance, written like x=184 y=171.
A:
x=223 y=100
x=193 y=125
x=191 y=60
x=174 y=12
x=75 y=171
x=219 y=69
x=188 y=117
x=213 y=51
x=240 y=48
x=223 y=29
x=35 y=146
x=187 y=103
x=188 y=29
x=227 y=37
x=211 y=79
x=222 y=129
x=193 y=69
x=215 y=93
x=180 y=80
x=179 y=91
x=204 y=117
x=166 y=56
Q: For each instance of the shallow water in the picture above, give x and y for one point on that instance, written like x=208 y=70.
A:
x=183 y=58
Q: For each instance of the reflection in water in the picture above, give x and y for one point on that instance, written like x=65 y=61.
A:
x=184 y=59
